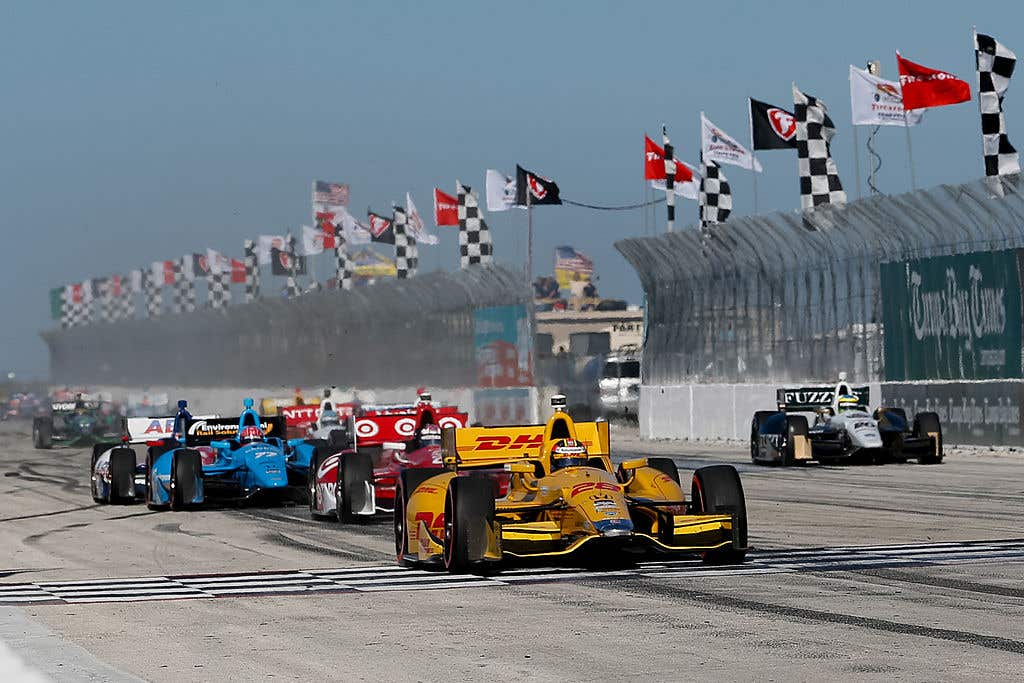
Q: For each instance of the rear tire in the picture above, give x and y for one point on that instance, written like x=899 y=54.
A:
x=666 y=465
x=408 y=480
x=928 y=423
x=186 y=469
x=755 y=434
x=717 y=489
x=468 y=513
x=42 y=433
x=122 y=475
x=97 y=451
x=355 y=472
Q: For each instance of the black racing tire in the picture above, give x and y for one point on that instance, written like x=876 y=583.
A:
x=314 y=465
x=42 y=433
x=339 y=440
x=408 y=480
x=355 y=471
x=186 y=469
x=718 y=489
x=468 y=513
x=150 y=459
x=755 y=433
x=925 y=423
x=666 y=465
x=796 y=426
x=122 y=475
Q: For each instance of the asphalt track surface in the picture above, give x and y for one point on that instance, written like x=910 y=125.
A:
x=859 y=572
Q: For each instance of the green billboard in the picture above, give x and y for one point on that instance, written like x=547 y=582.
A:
x=953 y=317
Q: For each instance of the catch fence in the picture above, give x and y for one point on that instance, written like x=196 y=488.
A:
x=392 y=334
x=797 y=296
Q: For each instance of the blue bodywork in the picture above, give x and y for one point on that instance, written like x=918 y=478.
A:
x=230 y=469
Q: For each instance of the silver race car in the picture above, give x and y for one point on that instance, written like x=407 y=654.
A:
x=842 y=429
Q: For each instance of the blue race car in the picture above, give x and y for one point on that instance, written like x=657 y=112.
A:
x=221 y=458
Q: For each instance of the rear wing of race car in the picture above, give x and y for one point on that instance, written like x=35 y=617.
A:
x=72 y=406
x=145 y=429
x=202 y=431
x=807 y=399
x=377 y=429
x=492 y=446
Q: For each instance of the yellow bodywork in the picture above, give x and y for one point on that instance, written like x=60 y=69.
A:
x=549 y=513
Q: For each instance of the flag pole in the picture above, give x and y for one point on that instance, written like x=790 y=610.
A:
x=910 y=151
x=670 y=178
x=529 y=238
x=753 y=155
x=856 y=160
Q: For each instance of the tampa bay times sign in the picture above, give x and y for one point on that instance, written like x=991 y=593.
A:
x=953 y=317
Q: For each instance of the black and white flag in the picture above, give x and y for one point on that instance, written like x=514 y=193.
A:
x=819 y=177
x=406 y=256
x=715 y=195
x=532 y=189
x=995 y=67
x=474 y=236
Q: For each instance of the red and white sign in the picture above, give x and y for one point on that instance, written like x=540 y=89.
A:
x=446 y=208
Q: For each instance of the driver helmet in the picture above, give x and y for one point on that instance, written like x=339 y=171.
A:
x=251 y=434
x=568 y=453
x=329 y=418
x=430 y=435
x=848 y=402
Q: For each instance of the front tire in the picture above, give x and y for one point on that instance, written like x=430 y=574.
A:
x=468 y=513
x=355 y=484
x=186 y=469
x=312 y=489
x=42 y=433
x=755 y=434
x=796 y=430
x=122 y=475
x=717 y=489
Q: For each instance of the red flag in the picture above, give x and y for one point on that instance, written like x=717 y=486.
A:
x=325 y=221
x=168 y=272
x=446 y=208
x=654 y=164
x=237 y=270
x=925 y=87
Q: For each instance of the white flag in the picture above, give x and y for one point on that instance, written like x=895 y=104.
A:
x=722 y=148
x=264 y=244
x=416 y=225
x=878 y=102
x=354 y=231
x=501 y=191
x=687 y=190
x=217 y=262
x=312 y=241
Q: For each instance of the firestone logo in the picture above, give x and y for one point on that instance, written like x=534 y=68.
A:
x=782 y=122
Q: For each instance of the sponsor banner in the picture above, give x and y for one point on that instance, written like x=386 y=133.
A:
x=204 y=430
x=979 y=413
x=717 y=145
x=953 y=317
x=878 y=102
x=503 y=345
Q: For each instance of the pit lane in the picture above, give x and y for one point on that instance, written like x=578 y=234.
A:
x=895 y=570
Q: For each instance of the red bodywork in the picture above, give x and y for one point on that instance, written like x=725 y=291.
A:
x=380 y=425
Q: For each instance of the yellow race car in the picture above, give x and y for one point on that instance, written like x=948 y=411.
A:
x=560 y=494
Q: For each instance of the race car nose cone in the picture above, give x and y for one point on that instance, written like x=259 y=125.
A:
x=610 y=528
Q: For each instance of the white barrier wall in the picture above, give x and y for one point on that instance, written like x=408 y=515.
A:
x=709 y=411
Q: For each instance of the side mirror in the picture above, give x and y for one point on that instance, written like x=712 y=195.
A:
x=519 y=467
x=633 y=464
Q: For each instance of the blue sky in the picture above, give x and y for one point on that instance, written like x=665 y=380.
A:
x=138 y=131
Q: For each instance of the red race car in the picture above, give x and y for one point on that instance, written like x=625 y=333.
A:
x=361 y=481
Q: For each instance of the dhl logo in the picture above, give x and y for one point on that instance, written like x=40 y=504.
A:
x=499 y=442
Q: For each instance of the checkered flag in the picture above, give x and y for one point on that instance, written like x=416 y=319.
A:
x=252 y=271
x=342 y=264
x=75 y=305
x=292 y=285
x=819 y=178
x=715 y=203
x=152 y=289
x=995 y=66
x=184 y=285
x=220 y=289
x=474 y=235
x=406 y=254
x=103 y=297
x=124 y=297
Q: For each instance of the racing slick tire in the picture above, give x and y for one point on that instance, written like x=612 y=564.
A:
x=796 y=428
x=339 y=440
x=97 y=451
x=924 y=425
x=408 y=480
x=468 y=513
x=717 y=489
x=42 y=433
x=186 y=469
x=122 y=475
x=666 y=465
x=355 y=471
x=755 y=433
x=314 y=466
